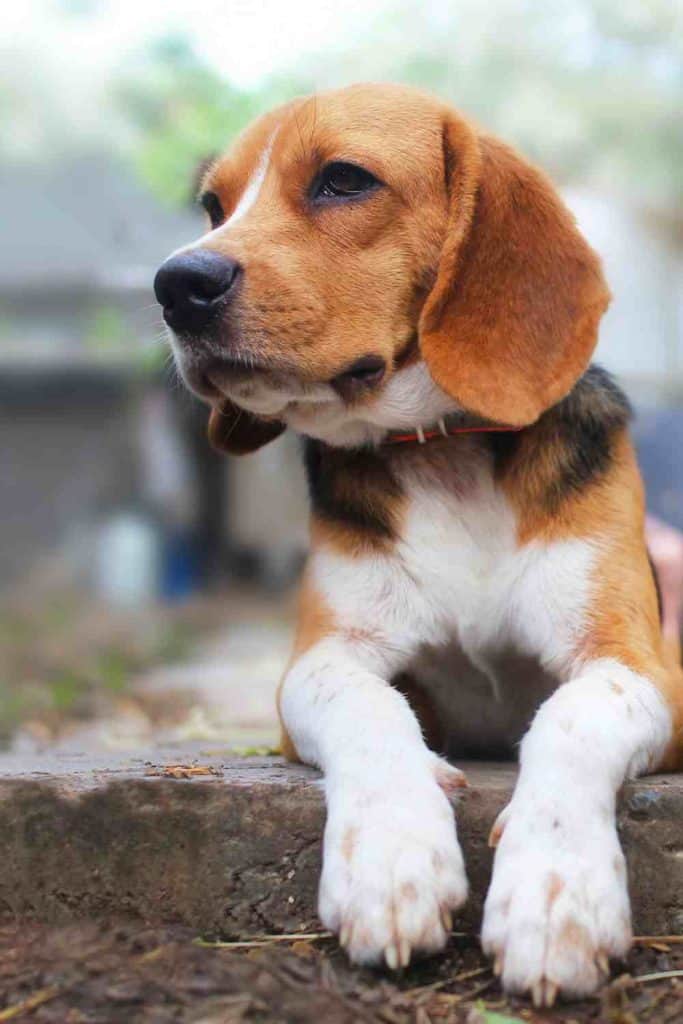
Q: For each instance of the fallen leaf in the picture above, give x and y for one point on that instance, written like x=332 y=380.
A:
x=183 y=771
x=304 y=949
x=262 y=751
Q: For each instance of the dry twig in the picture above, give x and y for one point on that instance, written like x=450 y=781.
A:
x=640 y=979
x=31 y=1003
x=264 y=940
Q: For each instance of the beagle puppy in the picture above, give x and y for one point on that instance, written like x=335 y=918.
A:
x=413 y=298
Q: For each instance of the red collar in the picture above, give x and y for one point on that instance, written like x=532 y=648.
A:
x=447 y=426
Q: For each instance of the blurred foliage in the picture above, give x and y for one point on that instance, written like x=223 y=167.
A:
x=592 y=89
x=183 y=113
x=105 y=330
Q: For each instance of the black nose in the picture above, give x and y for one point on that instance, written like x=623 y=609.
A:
x=192 y=286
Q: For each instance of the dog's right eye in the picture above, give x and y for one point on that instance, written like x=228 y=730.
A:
x=212 y=205
x=343 y=181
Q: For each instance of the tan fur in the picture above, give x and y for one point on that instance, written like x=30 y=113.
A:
x=314 y=621
x=342 y=539
x=469 y=249
x=468 y=244
x=624 y=616
x=512 y=320
x=294 y=310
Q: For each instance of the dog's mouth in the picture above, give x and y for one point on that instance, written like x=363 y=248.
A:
x=266 y=389
x=262 y=390
x=227 y=374
x=225 y=377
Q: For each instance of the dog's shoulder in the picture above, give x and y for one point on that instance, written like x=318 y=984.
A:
x=573 y=446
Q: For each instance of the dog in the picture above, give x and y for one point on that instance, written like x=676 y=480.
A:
x=412 y=296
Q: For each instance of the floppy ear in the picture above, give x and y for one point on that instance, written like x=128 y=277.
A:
x=237 y=432
x=512 y=318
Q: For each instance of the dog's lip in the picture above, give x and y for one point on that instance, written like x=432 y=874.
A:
x=231 y=369
x=222 y=404
x=228 y=375
x=240 y=380
x=222 y=376
x=235 y=381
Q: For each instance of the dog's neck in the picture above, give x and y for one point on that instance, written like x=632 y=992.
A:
x=448 y=426
x=411 y=403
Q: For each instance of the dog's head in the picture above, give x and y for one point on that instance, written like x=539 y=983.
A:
x=374 y=260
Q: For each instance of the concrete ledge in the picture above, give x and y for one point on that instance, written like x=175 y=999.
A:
x=238 y=852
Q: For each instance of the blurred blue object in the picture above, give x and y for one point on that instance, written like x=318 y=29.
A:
x=658 y=434
x=181 y=567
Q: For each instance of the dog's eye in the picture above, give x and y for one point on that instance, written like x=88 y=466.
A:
x=340 y=180
x=212 y=205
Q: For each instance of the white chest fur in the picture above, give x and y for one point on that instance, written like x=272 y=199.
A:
x=458 y=578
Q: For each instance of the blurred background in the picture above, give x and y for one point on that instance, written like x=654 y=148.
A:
x=145 y=584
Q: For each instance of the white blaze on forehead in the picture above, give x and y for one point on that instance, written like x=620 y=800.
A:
x=253 y=187
x=246 y=201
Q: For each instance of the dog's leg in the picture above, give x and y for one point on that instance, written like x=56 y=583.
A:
x=393 y=870
x=558 y=904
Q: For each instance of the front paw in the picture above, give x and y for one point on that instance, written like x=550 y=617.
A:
x=558 y=906
x=393 y=872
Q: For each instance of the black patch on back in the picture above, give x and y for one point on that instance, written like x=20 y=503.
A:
x=576 y=436
x=586 y=424
x=352 y=487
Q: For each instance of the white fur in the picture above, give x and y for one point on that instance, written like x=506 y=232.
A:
x=558 y=903
x=457 y=573
x=393 y=869
x=253 y=187
x=411 y=399
x=248 y=198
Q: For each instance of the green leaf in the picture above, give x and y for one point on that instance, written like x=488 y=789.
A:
x=489 y=1017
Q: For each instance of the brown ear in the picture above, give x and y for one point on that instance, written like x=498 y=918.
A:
x=237 y=432
x=512 y=319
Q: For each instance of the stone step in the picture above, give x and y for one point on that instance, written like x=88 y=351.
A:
x=237 y=852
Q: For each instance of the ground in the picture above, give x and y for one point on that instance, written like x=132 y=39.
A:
x=77 y=672
x=111 y=973
x=77 y=676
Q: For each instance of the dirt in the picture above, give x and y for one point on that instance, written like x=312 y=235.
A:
x=67 y=659
x=106 y=974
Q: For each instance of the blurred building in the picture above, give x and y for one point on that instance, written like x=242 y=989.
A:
x=77 y=337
